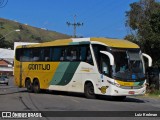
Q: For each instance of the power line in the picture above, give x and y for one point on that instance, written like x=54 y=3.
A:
x=75 y=25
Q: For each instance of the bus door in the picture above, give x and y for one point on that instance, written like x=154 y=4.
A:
x=104 y=68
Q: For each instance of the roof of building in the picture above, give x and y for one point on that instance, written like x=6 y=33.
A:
x=6 y=53
x=4 y=62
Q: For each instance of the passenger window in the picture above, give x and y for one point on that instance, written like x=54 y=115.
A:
x=89 y=57
x=26 y=55
x=36 y=54
x=72 y=54
x=47 y=54
x=18 y=54
x=63 y=55
x=85 y=55
x=56 y=54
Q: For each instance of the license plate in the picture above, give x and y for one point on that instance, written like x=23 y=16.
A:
x=131 y=92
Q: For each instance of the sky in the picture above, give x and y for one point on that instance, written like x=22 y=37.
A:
x=100 y=18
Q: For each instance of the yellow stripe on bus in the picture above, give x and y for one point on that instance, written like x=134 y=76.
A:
x=125 y=83
x=116 y=43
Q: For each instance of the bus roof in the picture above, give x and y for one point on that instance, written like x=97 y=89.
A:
x=116 y=43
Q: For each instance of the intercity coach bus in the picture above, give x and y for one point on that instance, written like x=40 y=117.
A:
x=93 y=66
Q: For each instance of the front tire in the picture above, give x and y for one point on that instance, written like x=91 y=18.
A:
x=89 y=91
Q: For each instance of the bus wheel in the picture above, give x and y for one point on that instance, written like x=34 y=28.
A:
x=89 y=91
x=118 y=98
x=28 y=85
x=36 y=86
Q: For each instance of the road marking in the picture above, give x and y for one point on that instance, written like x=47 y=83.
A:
x=61 y=96
x=75 y=100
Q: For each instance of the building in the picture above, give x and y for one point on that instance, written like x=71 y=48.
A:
x=6 y=68
x=6 y=61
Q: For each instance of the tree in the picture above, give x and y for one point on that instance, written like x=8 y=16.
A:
x=4 y=43
x=20 y=27
x=143 y=20
x=1 y=25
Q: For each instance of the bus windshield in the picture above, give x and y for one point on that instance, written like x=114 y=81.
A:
x=128 y=65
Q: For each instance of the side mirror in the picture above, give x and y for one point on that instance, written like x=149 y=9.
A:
x=149 y=59
x=111 y=58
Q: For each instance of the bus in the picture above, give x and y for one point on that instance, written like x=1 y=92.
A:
x=93 y=66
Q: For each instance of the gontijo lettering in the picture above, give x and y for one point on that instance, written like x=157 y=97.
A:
x=39 y=66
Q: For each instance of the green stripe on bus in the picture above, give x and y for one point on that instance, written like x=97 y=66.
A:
x=74 y=43
x=69 y=73
x=59 y=73
x=136 y=83
x=79 y=43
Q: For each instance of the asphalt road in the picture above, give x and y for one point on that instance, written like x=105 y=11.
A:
x=13 y=98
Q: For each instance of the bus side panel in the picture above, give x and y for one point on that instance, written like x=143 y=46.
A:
x=72 y=77
x=16 y=73
x=64 y=76
x=43 y=71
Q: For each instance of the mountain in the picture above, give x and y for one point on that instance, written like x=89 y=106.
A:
x=27 y=33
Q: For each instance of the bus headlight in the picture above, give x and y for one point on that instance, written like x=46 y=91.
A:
x=116 y=84
x=113 y=83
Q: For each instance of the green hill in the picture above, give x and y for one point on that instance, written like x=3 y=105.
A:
x=27 y=33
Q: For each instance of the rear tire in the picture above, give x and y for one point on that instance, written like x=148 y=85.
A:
x=89 y=91
x=28 y=85
x=36 y=86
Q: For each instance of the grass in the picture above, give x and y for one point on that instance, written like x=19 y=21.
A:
x=153 y=93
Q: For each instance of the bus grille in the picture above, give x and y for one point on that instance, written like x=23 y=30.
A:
x=130 y=87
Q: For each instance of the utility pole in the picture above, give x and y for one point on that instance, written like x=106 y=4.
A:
x=75 y=25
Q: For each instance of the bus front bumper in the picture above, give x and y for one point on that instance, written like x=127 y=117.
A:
x=117 y=91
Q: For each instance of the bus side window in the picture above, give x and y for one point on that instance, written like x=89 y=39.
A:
x=72 y=54
x=62 y=58
x=85 y=55
x=18 y=54
x=36 y=54
x=26 y=55
x=89 y=57
x=47 y=54
x=56 y=54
